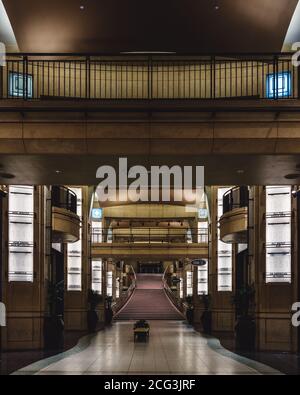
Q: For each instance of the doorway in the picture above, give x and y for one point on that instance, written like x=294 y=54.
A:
x=150 y=267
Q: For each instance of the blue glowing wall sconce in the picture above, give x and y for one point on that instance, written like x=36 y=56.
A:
x=279 y=85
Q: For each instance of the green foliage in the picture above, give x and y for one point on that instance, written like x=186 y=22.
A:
x=244 y=300
x=94 y=299
x=189 y=300
x=206 y=300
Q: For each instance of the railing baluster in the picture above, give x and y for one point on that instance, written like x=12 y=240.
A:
x=156 y=78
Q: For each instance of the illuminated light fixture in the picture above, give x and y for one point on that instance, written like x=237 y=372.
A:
x=97 y=213
x=279 y=85
x=216 y=5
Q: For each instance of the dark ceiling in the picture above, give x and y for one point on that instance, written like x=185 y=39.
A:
x=156 y=25
x=219 y=169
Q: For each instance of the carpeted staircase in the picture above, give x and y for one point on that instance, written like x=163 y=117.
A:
x=149 y=301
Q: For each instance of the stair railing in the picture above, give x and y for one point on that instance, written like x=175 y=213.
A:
x=170 y=294
x=125 y=295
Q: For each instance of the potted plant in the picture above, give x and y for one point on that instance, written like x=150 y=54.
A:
x=245 y=325
x=94 y=299
x=206 y=318
x=189 y=310
x=108 y=310
x=54 y=323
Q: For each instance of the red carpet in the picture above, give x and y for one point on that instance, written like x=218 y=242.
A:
x=149 y=301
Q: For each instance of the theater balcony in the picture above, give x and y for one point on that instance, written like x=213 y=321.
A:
x=234 y=221
x=174 y=104
x=150 y=243
x=65 y=221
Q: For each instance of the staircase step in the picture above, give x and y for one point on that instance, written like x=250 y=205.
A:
x=149 y=301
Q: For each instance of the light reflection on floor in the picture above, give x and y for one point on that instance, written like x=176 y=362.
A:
x=173 y=348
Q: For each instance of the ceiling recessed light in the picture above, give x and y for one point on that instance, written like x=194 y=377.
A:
x=292 y=176
x=82 y=7
x=7 y=176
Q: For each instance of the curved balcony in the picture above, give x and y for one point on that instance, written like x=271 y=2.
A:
x=234 y=221
x=65 y=221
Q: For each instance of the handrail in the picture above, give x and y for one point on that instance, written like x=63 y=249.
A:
x=40 y=76
x=174 y=299
x=124 y=298
x=237 y=197
x=149 y=235
x=63 y=197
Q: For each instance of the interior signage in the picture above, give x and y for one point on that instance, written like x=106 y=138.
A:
x=199 y=262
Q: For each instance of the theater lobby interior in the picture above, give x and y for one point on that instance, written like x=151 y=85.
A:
x=149 y=187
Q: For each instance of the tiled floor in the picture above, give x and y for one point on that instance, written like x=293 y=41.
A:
x=173 y=348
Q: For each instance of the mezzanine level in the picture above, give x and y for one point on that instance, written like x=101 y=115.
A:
x=149 y=77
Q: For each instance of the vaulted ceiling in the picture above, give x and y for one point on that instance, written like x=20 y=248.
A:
x=156 y=25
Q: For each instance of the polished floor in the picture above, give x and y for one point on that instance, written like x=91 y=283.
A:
x=173 y=348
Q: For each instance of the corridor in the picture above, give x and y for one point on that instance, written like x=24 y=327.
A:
x=173 y=348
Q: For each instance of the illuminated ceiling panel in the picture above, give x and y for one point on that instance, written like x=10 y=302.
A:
x=7 y=35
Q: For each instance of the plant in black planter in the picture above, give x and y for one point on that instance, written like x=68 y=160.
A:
x=94 y=300
x=54 y=323
x=189 y=310
x=206 y=318
x=108 y=310
x=245 y=326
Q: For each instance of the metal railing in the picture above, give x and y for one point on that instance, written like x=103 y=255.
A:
x=237 y=197
x=168 y=77
x=125 y=296
x=178 y=303
x=63 y=197
x=150 y=235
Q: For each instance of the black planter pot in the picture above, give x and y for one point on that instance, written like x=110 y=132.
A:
x=92 y=320
x=54 y=333
x=245 y=333
x=190 y=316
x=206 y=321
x=108 y=316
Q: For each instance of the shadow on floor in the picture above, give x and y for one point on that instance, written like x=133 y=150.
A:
x=15 y=360
x=285 y=362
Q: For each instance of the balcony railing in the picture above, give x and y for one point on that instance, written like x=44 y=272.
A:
x=150 y=235
x=63 y=197
x=168 y=77
x=237 y=197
